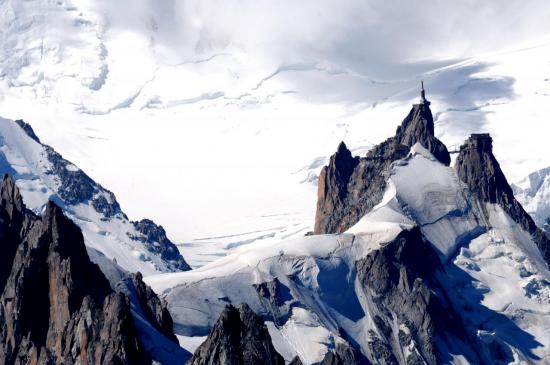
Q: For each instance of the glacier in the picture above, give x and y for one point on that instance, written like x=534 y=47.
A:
x=490 y=268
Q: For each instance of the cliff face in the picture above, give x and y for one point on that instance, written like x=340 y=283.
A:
x=399 y=282
x=478 y=168
x=56 y=305
x=154 y=308
x=350 y=186
x=45 y=175
x=239 y=337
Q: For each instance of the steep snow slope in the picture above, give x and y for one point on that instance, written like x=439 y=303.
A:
x=42 y=174
x=533 y=192
x=130 y=96
x=308 y=289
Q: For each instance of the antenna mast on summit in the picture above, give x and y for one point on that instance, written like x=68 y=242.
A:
x=423 y=99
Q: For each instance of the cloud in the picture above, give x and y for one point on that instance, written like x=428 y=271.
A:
x=361 y=35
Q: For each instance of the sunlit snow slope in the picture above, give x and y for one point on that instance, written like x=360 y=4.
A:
x=42 y=174
x=533 y=192
x=309 y=288
x=166 y=94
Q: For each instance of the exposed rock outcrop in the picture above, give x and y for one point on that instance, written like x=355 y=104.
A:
x=478 y=168
x=398 y=279
x=154 y=308
x=154 y=238
x=74 y=187
x=342 y=355
x=239 y=337
x=350 y=186
x=56 y=305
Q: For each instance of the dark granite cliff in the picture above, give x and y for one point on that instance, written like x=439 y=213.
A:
x=56 y=305
x=239 y=337
x=478 y=168
x=350 y=186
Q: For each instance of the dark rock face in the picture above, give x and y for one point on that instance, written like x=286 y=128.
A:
x=77 y=187
x=342 y=355
x=418 y=126
x=12 y=222
x=239 y=337
x=349 y=186
x=398 y=280
x=154 y=308
x=154 y=238
x=296 y=361
x=56 y=306
x=276 y=299
x=478 y=168
x=28 y=129
x=332 y=190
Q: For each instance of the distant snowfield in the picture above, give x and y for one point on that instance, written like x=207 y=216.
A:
x=220 y=147
x=496 y=278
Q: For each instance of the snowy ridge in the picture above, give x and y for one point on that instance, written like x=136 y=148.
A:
x=70 y=69
x=42 y=174
x=533 y=192
x=318 y=296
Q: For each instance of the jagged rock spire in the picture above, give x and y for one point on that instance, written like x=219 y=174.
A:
x=56 y=306
x=423 y=99
x=479 y=169
x=350 y=186
x=238 y=337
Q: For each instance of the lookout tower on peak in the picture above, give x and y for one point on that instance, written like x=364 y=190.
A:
x=423 y=99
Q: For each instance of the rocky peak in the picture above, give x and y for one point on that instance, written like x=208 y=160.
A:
x=28 y=129
x=343 y=354
x=11 y=225
x=343 y=163
x=154 y=308
x=154 y=238
x=478 y=168
x=398 y=285
x=350 y=186
x=68 y=185
x=10 y=195
x=56 y=305
x=418 y=127
x=239 y=337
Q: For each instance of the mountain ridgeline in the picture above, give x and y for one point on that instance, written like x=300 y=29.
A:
x=405 y=278
x=36 y=167
x=350 y=186
x=56 y=306
x=418 y=297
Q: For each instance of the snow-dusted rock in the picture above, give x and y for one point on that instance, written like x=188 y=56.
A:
x=42 y=175
x=434 y=273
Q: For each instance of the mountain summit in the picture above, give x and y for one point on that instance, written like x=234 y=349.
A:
x=349 y=187
x=424 y=264
x=58 y=307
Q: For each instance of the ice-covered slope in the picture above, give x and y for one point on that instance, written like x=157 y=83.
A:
x=319 y=291
x=533 y=192
x=42 y=174
x=131 y=92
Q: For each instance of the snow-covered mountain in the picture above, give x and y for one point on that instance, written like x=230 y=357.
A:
x=533 y=192
x=216 y=119
x=42 y=174
x=226 y=119
x=446 y=268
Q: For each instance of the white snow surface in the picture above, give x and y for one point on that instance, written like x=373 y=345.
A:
x=495 y=277
x=27 y=161
x=230 y=113
x=533 y=192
